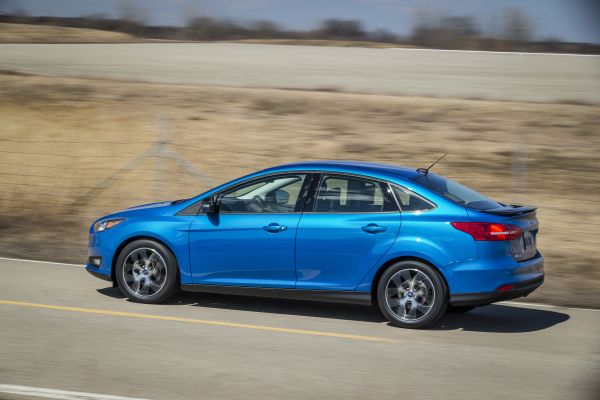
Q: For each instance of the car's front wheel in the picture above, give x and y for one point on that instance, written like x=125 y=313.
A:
x=146 y=272
x=411 y=294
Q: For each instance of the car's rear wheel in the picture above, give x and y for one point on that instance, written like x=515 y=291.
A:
x=146 y=272
x=459 y=309
x=411 y=294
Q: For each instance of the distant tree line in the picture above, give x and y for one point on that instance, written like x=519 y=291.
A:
x=514 y=31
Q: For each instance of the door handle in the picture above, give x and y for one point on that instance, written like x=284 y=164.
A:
x=274 y=228
x=373 y=228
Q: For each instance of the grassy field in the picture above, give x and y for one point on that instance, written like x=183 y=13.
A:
x=60 y=138
x=24 y=33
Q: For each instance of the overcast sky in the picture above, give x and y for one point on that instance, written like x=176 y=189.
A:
x=573 y=20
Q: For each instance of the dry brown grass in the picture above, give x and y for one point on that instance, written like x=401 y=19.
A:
x=29 y=33
x=25 y=33
x=52 y=150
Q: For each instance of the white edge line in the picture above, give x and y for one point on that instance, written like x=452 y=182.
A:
x=522 y=303
x=513 y=303
x=523 y=53
x=58 y=394
x=40 y=262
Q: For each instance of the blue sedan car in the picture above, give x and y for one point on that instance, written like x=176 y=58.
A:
x=409 y=241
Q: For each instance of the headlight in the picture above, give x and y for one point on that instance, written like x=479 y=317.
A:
x=107 y=224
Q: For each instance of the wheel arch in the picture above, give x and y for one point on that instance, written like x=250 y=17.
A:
x=392 y=261
x=132 y=239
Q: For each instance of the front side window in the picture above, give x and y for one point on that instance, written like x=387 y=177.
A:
x=269 y=195
x=345 y=194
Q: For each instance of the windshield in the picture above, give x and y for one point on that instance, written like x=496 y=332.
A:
x=456 y=192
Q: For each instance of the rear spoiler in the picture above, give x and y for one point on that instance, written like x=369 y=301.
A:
x=510 y=209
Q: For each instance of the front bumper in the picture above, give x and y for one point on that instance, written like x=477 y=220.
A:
x=97 y=274
x=521 y=289
x=100 y=255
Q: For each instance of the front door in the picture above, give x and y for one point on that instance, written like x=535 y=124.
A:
x=250 y=240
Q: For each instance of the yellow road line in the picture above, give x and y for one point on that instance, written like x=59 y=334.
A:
x=197 y=321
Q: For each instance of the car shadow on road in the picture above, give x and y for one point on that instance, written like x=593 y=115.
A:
x=497 y=318
x=285 y=307
x=268 y=305
x=501 y=318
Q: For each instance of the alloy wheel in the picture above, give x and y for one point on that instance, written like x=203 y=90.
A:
x=144 y=272
x=410 y=294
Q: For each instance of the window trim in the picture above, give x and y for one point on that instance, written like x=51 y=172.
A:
x=412 y=193
x=308 y=194
x=383 y=184
x=194 y=209
x=300 y=201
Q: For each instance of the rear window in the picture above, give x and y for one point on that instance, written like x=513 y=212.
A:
x=456 y=192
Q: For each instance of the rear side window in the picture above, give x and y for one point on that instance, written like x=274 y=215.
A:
x=456 y=192
x=345 y=194
x=410 y=202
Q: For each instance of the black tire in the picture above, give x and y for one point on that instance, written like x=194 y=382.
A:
x=430 y=295
x=459 y=309
x=157 y=254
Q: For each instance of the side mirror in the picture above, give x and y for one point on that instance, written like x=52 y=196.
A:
x=281 y=196
x=209 y=206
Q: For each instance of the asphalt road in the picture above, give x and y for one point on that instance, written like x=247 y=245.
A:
x=64 y=330
x=462 y=74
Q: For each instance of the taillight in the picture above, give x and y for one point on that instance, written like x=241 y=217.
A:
x=488 y=230
x=505 y=288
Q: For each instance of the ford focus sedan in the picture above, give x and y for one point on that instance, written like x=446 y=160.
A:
x=411 y=242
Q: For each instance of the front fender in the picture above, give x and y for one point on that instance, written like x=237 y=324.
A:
x=172 y=231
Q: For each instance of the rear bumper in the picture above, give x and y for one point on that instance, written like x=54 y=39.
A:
x=521 y=289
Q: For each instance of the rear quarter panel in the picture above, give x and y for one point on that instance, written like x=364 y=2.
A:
x=429 y=236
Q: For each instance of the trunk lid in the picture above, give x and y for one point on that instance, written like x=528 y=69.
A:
x=510 y=210
x=524 y=247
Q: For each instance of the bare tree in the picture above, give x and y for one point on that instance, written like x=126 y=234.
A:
x=131 y=11
x=461 y=26
x=342 y=29
x=447 y=32
x=266 y=29
x=207 y=28
x=190 y=12
x=383 y=35
x=516 y=26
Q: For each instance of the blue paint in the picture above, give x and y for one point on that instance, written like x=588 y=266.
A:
x=322 y=250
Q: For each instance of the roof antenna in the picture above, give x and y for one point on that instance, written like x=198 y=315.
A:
x=425 y=171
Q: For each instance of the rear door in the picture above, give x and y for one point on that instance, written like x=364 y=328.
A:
x=350 y=225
